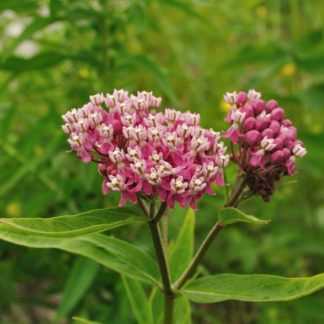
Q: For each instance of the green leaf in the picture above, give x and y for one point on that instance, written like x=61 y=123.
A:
x=232 y=215
x=157 y=305
x=97 y=220
x=19 y=5
x=112 y=253
x=80 y=320
x=182 y=311
x=182 y=251
x=39 y=61
x=80 y=278
x=138 y=301
x=127 y=253
x=31 y=165
x=251 y=288
x=146 y=65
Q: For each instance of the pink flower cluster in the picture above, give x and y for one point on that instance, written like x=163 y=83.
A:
x=267 y=142
x=144 y=152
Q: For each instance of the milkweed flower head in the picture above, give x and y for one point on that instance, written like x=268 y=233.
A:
x=140 y=151
x=267 y=144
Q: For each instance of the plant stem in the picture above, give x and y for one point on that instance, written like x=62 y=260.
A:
x=163 y=265
x=165 y=233
x=226 y=185
x=232 y=202
x=143 y=206
x=162 y=262
x=160 y=213
x=168 y=309
x=237 y=191
x=199 y=255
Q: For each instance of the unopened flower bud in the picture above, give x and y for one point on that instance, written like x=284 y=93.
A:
x=241 y=98
x=258 y=106
x=270 y=105
x=268 y=132
x=275 y=126
x=249 y=123
x=277 y=114
x=253 y=137
x=277 y=157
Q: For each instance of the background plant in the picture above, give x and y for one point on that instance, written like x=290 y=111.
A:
x=86 y=46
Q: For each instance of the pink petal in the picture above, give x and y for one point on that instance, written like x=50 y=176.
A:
x=171 y=201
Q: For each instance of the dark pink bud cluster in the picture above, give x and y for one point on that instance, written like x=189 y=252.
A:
x=267 y=141
x=144 y=152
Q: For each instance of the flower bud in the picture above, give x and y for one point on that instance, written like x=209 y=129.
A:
x=249 y=123
x=268 y=132
x=286 y=153
x=248 y=110
x=277 y=114
x=279 y=143
x=241 y=98
x=258 y=106
x=291 y=133
x=275 y=126
x=277 y=157
x=287 y=122
x=270 y=105
x=261 y=123
x=253 y=137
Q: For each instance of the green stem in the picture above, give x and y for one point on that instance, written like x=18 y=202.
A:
x=163 y=264
x=237 y=191
x=165 y=232
x=168 y=309
x=233 y=201
x=160 y=213
x=199 y=255
x=226 y=185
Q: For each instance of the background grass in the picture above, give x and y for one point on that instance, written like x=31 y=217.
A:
x=55 y=53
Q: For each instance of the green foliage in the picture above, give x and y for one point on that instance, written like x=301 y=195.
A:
x=80 y=278
x=138 y=301
x=251 y=288
x=181 y=252
x=113 y=253
x=93 y=221
x=232 y=215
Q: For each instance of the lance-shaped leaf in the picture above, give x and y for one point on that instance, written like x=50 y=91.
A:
x=97 y=220
x=112 y=253
x=80 y=278
x=232 y=215
x=138 y=301
x=182 y=251
x=251 y=288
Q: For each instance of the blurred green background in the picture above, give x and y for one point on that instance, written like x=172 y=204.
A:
x=55 y=53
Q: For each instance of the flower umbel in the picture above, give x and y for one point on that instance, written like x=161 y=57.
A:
x=267 y=144
x=143 y=152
